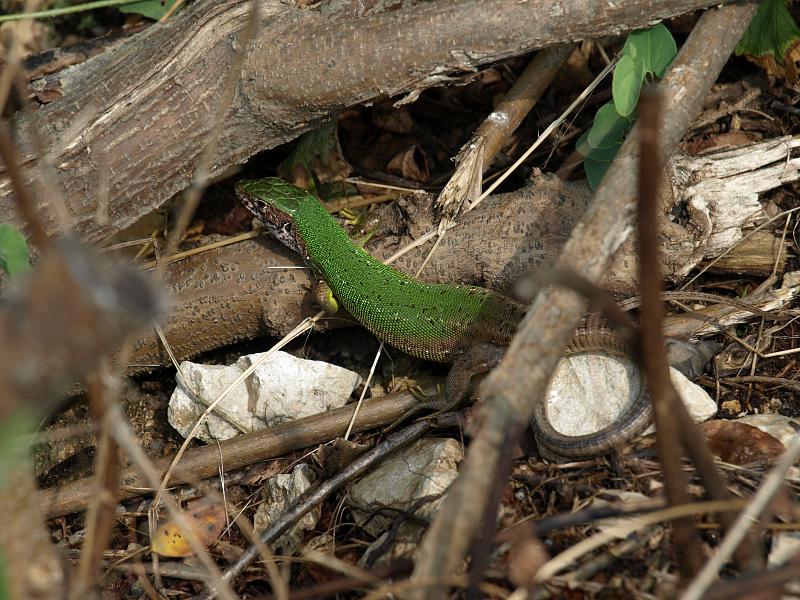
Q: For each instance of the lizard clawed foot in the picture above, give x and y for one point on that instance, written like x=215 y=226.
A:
x=435 y=402
x=422 y=396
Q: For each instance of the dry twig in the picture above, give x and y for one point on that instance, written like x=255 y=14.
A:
x=511 y=389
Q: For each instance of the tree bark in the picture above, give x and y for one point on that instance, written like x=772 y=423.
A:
x=130 y=124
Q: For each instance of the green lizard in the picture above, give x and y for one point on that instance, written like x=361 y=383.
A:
x=466 y=326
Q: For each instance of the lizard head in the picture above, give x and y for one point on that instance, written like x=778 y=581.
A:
x=275 y=202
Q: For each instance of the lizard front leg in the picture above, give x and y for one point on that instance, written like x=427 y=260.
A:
x=477 y=359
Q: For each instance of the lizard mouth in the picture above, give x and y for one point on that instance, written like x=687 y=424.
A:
x=285 y=234
x=279 y=223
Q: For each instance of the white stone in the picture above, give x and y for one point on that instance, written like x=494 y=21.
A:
x=424 y=469
x=590 y=391
x=281 y=389
x=279 y=494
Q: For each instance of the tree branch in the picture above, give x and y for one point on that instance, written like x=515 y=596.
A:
x=138 y=117
x=512 y=389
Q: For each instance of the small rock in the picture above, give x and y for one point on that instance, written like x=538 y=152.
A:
x=424 y=470
x=281 y=389
x=591 y=391
x=280 y=493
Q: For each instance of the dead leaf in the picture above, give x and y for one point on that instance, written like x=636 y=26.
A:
x=786 y=70
x=207 y=521
x=731 y=407
x=723 y=141
x=791 y=60
x=317 y=154
x=258 y=474
x=411 y=164
x=739 y=443
x=526 y=556
x=340 y=455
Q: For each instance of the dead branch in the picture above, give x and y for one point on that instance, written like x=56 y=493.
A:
x=663 y=396
x=354 y=470
x=239 y=292
x=476 y=156
x=523 y=376
x=241 y=451
x=138 y=118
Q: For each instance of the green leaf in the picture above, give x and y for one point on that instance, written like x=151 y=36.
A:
x=608 y=128
x=626 y=84
x=582 y=145
x=772 y=31
x=595 y=171
x=13 y=251
x=648 y=51
x=605 y=154
x=313 y=144
x=15 y=431
x=152 y=9
x=654 y=47
x=602 y=154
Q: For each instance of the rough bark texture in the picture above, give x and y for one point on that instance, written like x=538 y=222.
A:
x=133 y=121
x=243 y=450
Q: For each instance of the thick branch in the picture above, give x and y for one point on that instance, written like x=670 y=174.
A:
x=199 y=463
x=134 y=120
x=240 y=292
x=516 y=384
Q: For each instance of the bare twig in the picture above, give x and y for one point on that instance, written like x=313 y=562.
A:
x=11 y=76
x=101 y=516
x=482 y=547
x=118 y=426
x=25 y=204
x=654 y=356
x=280 y=589
x=756 y=583
x=198 y=463
x=512 y=389
x=486 y=142
x=478 y=153
x=750 y=515
x=305 y=325
x=328 y=589
x=270 y=107
x=550 y=128
x=176 y=4
x=778 y=382
x=574 y=552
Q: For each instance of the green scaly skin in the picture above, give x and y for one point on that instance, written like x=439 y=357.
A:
x=466 y=326
x=437 y=322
